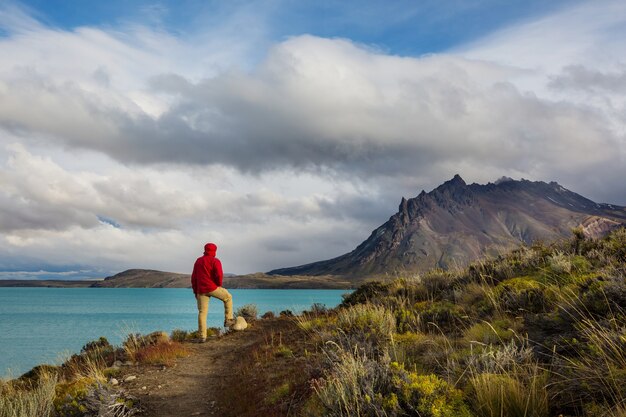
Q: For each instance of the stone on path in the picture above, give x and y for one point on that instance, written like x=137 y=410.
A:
x=240 y=324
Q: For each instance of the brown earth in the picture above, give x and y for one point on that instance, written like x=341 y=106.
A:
x=232 y=375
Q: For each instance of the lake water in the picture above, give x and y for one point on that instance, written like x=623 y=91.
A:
x=45 y=325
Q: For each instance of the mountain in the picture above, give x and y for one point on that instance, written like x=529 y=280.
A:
x=457 y=223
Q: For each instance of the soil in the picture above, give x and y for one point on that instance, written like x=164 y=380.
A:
x=227 y=376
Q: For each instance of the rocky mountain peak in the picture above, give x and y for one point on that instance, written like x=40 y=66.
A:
x=455 y=182
x=457 y=223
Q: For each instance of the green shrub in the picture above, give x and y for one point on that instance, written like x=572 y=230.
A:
x=524 y=294
x=367 y=292
x=440 y=316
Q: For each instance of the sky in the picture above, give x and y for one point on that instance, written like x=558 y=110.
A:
x=285 y=131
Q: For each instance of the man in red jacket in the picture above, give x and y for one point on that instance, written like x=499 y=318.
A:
x=206 y=281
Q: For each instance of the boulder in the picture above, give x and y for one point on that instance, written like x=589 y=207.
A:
x=240 y=324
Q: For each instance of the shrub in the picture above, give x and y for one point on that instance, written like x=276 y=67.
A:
x=426 y=395
x=21 y=401
x=286 y=313
x=318 y=308
x=598 y=372
x=268 y=315
x=179 y=335
x=86 y=397
x=499 y=331
x=367 y=326
x=439 y=284
x=367 y=292
x=354 y=386
x=440 y=316
x=96 y=345
x=523 y=294
x=497 y=395
x=248 y=312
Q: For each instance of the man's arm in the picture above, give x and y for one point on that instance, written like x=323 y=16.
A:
x=194 y=280
x=218 y=272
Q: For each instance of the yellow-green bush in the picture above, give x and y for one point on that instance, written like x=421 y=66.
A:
x=366 y=323
x=426 y=395
x=524 y=294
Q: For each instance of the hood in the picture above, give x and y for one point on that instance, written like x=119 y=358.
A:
x=210 y=249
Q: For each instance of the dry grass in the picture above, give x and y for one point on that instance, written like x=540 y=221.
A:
x=21 y=401
x=497 y=395
x=161 y=354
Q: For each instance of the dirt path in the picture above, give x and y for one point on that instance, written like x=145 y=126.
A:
x=201 y=384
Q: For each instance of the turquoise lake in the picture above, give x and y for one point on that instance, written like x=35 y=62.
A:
x=46 y=325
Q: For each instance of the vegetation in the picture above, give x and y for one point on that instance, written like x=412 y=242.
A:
x=81 y=385
x=538 y=332
x=248 y=312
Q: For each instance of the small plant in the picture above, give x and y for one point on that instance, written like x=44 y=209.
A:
x=248 y=312
x=268 y=315
x=278 y=394
x=179 y=335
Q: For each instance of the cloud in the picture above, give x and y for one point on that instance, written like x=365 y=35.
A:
x=133 y=146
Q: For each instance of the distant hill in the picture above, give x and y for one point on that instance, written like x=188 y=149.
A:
x=146 y=278
x=457 y=223
x=45 y=283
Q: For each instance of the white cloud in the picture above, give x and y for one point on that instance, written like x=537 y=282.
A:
x=179 y=140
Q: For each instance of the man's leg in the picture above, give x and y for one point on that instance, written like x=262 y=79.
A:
x=221 y=294
x=203 y=309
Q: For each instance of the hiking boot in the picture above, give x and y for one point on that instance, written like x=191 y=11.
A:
x=229 y=323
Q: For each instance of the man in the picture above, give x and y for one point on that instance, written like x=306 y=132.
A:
x=206 y=281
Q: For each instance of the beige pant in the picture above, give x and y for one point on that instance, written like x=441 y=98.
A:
x=203 y=307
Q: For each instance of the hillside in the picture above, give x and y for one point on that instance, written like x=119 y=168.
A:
x=457 y=223
x=538 y=332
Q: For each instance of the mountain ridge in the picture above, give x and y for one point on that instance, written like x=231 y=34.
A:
x=456 y=223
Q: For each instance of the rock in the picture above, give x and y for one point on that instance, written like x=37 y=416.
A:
x=128 y=363
x=156 y=338
x=114 y=381
x=117 y=364
x=130 y=378
x=240 y=324
x=144 y=388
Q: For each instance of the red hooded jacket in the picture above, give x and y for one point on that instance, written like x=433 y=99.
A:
x=207 y=272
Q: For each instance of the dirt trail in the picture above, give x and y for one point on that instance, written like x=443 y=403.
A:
x=202 y=383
